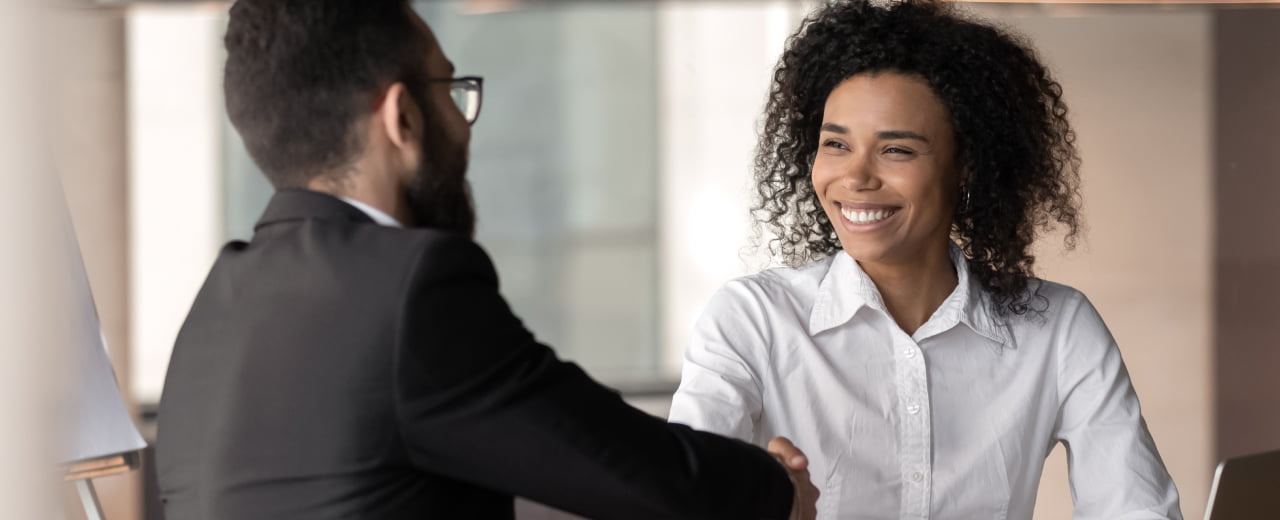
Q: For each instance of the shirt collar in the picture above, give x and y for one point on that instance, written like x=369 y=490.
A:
x=846 y=288
x=291 y=204
x=379 y=216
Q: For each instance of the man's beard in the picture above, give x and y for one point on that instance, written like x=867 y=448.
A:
x=440 y=197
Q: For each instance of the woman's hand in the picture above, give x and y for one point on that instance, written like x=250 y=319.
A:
x=804 y=505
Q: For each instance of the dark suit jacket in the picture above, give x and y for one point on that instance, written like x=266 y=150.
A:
x=335 y=368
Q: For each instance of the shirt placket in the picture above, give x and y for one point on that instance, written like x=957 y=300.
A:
x=914 y=428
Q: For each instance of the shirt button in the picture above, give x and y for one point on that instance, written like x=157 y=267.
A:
x=913 y=408
x=917 y=476
x=908 y=353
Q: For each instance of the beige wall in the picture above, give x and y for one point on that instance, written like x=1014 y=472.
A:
x=1138 y=84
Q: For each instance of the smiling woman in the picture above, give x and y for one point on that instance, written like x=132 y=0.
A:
x=886 y=175
x=909 y=158
x=1011 y=135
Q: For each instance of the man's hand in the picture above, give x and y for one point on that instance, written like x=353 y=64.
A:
x=804 y=506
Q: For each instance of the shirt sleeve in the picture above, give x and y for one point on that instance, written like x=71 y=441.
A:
x=720 y=388
x=1115 y=470
x=480 y=401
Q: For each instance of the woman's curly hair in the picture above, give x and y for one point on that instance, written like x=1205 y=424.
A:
x=1007 y=113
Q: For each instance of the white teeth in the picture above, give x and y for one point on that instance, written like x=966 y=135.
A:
x=860 y=216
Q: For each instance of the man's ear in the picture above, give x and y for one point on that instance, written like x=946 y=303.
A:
x=401 y=117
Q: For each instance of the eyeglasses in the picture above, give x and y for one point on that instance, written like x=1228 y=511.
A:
x=466 y=92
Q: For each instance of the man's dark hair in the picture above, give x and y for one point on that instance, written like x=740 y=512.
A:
x=1010 y=123
x=300 y=73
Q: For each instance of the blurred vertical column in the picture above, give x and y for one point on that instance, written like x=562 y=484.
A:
x=91 y=143
x=1247 y=246
x=33 y=302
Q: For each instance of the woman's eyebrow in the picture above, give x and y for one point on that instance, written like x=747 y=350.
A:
x=883 y=134
x=901 y=134
x=832 y=127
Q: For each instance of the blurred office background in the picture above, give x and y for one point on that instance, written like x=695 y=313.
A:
x=611 y=170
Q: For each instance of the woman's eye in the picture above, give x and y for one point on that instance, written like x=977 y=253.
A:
x=835 y=144
x=896 y=150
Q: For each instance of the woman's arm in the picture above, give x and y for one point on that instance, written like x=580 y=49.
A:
x=1116 y=472
x=720 y=385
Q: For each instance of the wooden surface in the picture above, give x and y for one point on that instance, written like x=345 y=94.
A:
x=103 y=466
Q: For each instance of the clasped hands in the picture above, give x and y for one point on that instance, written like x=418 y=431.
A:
x=804 y=503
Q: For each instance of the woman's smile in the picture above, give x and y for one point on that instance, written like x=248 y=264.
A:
x=865 y=217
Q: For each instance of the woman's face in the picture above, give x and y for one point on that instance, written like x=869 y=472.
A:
x=885 y=170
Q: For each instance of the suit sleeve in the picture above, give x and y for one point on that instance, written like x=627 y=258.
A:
x=479 y=400
x=1115 y=471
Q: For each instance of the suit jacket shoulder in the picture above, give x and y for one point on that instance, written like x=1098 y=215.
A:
x=334 y=368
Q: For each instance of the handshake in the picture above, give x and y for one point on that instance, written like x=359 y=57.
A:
x=804 y=502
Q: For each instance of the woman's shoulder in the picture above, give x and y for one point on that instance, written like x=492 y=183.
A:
x=1054 y=292
x=778 y=285
x=1057 y=302
x=750 y=312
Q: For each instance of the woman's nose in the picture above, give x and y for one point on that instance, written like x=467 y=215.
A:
x=861 y=174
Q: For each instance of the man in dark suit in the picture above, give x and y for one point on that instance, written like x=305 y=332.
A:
x=355 y=359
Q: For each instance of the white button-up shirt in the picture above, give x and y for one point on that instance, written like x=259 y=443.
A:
x=952 y=422
x=379 y=217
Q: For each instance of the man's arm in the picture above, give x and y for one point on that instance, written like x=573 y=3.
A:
x=481 y=401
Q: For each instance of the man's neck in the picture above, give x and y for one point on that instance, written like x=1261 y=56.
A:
x=376 y=192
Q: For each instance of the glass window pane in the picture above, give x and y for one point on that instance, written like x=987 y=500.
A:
x=563 y=168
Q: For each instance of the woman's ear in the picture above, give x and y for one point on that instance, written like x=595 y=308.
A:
x=401 y=117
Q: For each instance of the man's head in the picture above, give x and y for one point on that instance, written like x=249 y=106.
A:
x=347 y=95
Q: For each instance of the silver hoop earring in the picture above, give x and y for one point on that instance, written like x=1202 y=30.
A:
x=964 y=199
